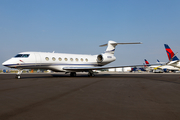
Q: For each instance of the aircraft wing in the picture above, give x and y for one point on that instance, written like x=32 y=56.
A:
x=76 y=69
x=170 y=63
x=173 y=62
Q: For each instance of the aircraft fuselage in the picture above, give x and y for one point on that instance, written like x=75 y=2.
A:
x=56 y=61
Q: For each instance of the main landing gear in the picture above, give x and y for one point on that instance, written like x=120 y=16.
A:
x=91 y=73
x=18 y=75
x=73 y=74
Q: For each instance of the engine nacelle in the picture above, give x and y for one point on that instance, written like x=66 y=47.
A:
x=100 y=58
x=103 y=59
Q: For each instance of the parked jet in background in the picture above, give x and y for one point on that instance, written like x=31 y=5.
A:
x=161 y=63
x=150 y=68
x=173 y=59
x=160 y=67
x=60 y=62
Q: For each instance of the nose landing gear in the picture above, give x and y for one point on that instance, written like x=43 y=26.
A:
x=18 y=75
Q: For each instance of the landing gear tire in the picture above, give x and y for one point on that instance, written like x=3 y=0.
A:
x=91 y=74
x=18 y=77
x=73 y=74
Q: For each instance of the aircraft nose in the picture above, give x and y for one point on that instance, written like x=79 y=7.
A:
x=7 y=63
x=4 y=63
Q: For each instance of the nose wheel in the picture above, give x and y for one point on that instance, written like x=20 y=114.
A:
x=18 y=75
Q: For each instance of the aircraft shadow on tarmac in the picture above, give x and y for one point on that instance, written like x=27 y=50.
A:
x=152 y=77
x=26 y=76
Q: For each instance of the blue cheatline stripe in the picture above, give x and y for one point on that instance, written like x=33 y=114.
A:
x=44 y=64
x=110 y=50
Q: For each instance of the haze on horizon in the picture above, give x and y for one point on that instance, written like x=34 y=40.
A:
x=81 y=26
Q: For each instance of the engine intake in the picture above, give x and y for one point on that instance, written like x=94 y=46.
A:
x=99 y=58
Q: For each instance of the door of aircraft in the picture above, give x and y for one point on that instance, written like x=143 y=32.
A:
x=38 y=59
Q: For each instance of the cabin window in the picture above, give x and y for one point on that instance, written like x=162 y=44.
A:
x=65 y=59
x=47 y=59
x=53 y=58
x=86 y=60
x=77 y=59
x=71 y=59
x=60 y=59
x=81 y=59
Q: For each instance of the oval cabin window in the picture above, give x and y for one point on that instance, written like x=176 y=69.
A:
x=60 y=59
x=76 y=59
x=53 y=58
x=65 y=59
x=47 y=59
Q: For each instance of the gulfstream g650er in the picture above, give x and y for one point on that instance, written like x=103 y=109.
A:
x=61 y=62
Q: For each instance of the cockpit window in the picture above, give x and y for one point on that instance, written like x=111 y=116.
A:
x=19 y=55
x=22 y=55
x=25 y=55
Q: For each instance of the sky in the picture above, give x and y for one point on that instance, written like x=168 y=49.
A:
x=80 y=26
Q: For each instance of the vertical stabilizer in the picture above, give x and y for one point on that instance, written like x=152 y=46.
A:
x=170 y=53
x=159 y=62
x=111 y=47
x=146 y=62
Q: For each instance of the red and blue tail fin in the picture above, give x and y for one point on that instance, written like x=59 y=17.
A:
x=147 y=63
x=170 y=53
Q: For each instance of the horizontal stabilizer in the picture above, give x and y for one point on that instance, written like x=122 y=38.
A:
x=112 y=44
x=120 y=44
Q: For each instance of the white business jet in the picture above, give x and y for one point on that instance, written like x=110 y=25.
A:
x=60 y=62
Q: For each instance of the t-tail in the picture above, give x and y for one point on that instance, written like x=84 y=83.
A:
x=112 y=44
x=170 y=53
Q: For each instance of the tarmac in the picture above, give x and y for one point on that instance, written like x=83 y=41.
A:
x=103 y=97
